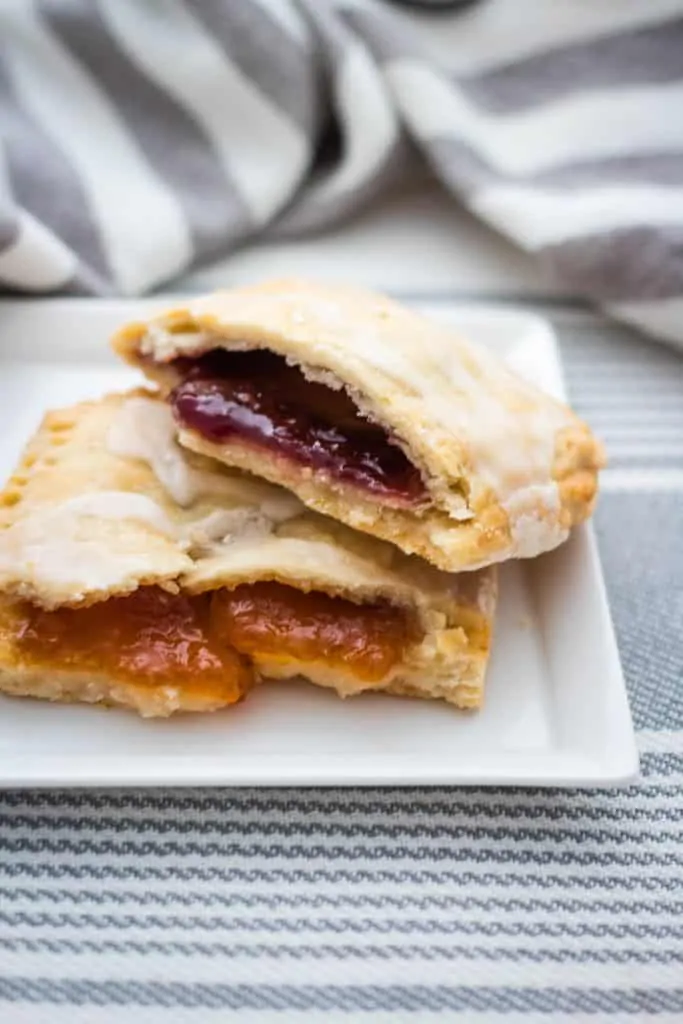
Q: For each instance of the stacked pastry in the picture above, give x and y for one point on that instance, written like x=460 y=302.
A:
x=317 y=482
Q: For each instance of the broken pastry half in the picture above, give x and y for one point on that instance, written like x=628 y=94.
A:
x=373 y=415
x=135 y=573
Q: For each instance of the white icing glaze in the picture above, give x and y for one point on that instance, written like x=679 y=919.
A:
x=144 y=429
x=49 y=544
x=114 y=505
x=473 y=396
x=164 y=344
x=508 y=429
x=533 y=535
x=224 y=526
x=534 y=520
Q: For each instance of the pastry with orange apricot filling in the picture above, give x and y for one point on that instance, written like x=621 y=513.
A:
x=374 y=415
x=136 y=573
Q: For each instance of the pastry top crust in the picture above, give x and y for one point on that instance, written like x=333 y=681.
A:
x=500 y=458
x=77 y=522
x=115 y=503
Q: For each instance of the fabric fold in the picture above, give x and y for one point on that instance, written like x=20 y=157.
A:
x=188 y=131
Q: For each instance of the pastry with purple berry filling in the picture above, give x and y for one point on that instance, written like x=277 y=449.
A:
x=374 y=415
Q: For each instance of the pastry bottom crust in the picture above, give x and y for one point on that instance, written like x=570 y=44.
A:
x=461 y=685
x=85 y=688
x=61 y=686
x=65 y=687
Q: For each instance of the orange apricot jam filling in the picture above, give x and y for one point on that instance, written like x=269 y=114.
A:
x=206 y=642
x=275 y=621
x=150 y=637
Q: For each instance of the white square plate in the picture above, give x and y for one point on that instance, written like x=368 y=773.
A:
x=556 y=711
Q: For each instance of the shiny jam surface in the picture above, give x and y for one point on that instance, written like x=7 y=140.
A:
x=150 y=637
x=255 y=397
x=277 y=621
x=205 y=642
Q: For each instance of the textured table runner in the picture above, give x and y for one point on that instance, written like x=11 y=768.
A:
x=392 y=905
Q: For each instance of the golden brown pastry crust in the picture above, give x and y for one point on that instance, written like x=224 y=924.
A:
x=509 y=470
x=57 y=544
x=126 y=486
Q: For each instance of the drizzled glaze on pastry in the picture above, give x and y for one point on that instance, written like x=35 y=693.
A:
x=258 y=399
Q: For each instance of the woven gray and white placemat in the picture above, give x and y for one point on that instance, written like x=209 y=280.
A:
x=394 y=904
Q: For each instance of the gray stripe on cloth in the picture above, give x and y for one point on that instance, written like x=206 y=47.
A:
x=335 y=926
x=631 y=393
x=464 y=169
x=646 y=596
x=527 y=850
x=265 y=821
x=548 y=803
x=649 y=56
x=640 y=262
x=448 y=820
x=273 y=899
x=308 y=214
x=167 y=135
x=56 y=199
x=206 y=805
x=442 y=861
x=209 y=804
x=648 y=169
x=281 y=953
x=413 y=998
x=661 y=763
x=204 y=810
x=620 y=459
x=9 y=229
x=599 y=880
x=384 y=814
x=645 y=56
x=311 y=210
x=251 y=38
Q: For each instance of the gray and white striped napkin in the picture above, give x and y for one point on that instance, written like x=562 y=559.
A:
x=143 y=138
